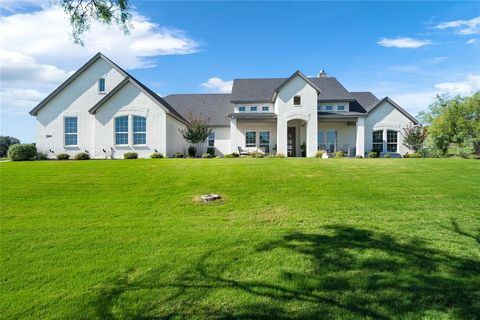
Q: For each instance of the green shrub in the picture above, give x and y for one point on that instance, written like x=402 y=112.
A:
x=340 y=154
x=82 y=156
x=178 y=155
x=235 y=154
x=229 y=155
x=372 y=154
x=319 y=153
x=387 y=155
x=359 y=157
x=192 y=152
x=130 y=155
x=256 y=154
x=474 y=157
x=280 y=155
x=412 y=155
x=42 y=156
x=22 y=152
x=211 y=151
x=207 y=155
x=63 y=156
x=156 y=155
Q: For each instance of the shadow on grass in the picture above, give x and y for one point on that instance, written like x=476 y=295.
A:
x=355 y=274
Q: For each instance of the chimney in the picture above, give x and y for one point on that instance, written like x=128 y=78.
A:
x=322 y=74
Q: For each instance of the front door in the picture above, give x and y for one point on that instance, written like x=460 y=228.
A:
x=291 y=142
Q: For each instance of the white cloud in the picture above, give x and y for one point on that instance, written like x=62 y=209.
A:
x=403 y=42
x=471 y=41
x=465 y=27
x=37 y=52
x=217 y=85
x=467 y=86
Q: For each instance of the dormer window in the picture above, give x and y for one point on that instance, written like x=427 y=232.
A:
x=101 y=85
x=341 y=108
x=329 y=108
x=241 y=109
x=297 y=101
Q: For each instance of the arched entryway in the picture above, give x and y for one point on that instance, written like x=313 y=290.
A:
x=296 y=138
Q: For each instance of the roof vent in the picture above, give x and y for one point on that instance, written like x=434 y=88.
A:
x=322 y=74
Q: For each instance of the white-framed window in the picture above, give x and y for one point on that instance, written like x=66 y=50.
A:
x=332 y=140
x=297 y=100
x=265 y=108
x=341 y=108
x=392 y=141
x=328 y=108
x=320 y=140
x=241 y=109
x=253 y=109
x=70 y=125
x=101 y=85
x=139 y=130
x=377 y=141
x=264 y=138
x=121 y=130
x=211 y=139
x=250 y=138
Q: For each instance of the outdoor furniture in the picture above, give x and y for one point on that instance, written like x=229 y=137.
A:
x=242 y=151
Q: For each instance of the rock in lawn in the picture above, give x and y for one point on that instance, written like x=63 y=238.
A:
x=210 y=197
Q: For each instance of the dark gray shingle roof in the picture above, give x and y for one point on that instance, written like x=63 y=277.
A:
x=365 y=101
x=261 y=90
x=213 y=106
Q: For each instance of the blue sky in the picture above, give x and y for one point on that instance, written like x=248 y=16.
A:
x=409 y=51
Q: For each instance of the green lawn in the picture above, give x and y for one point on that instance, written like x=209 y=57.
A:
x=294 y=238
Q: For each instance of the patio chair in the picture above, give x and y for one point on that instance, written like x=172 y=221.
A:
x=242 y=151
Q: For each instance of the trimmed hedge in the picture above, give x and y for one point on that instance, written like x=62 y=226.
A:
x=156 y=155
x=82 y=156
x=63 y=156
x=22 y=152
x=130 y=155
x=207 y=156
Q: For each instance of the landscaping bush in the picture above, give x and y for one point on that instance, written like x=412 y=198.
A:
x=63 y=156
x=178 y=155
x=412 y=155
x=42 y=156
x=82 y=156
x=156 y=155
x=373 y=154
x=340 y=154
x=319 y=153
x=130 y=155
x=207 y=155
x=229 y=155
x=211 y=150
x=280 y=155
x=22 y=152
x=192 y=152
x=387 y=155
x=359 y=157
x=235 y=154
x=256 y=154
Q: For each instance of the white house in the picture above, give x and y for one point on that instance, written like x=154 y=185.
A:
x=103 y=110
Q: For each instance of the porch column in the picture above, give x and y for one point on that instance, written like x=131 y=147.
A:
x=233 y=135
x=312 y=136
x=282 y=135
x=360 y=144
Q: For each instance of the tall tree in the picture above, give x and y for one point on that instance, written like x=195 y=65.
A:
x=82 y=12
x=5 y=143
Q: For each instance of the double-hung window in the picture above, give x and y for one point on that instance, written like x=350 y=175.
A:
x=321 y=140
x=392 y=141
x=71 y=131
x=264 y=140
x=139 y=130
x=121 y=130
x=250 y=139
x=377 y=141
x=101 y=85
x=211 y=139
x=332 y=140
x=297 y=101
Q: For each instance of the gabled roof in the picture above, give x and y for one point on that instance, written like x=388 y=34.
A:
x=214 y=106
x=394 y=104
x=293 y=76
x=262 y=90
x=74 y=76
x=152 y=95
x=128 y=78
